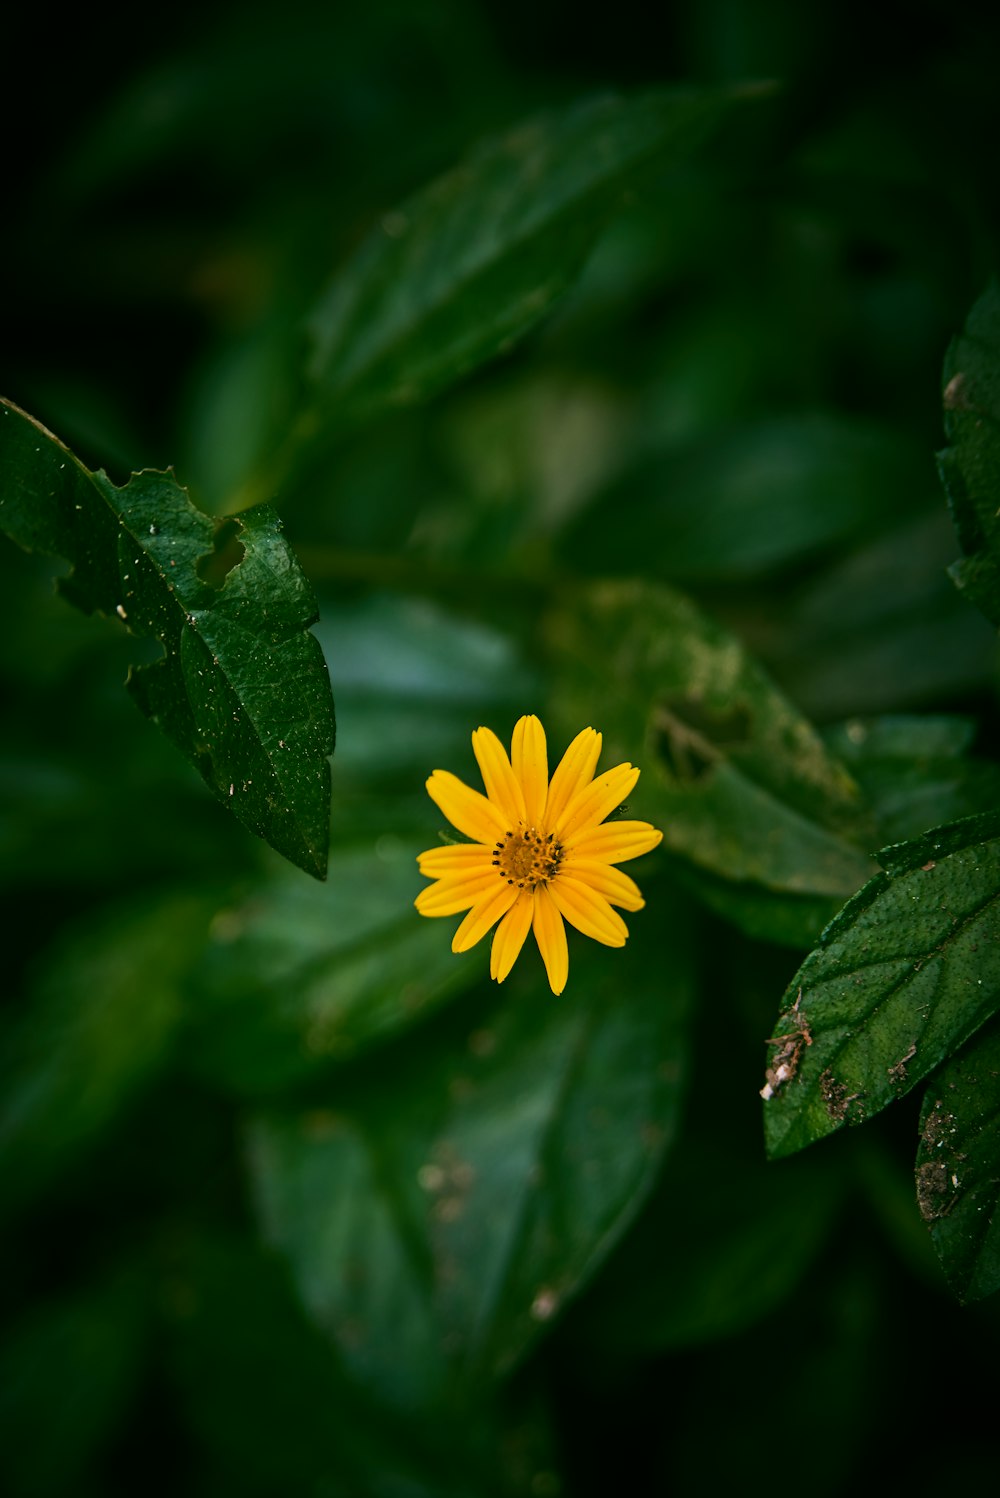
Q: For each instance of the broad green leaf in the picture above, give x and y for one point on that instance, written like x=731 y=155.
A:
x=461 y=271
x=970 y=467
x=68 y=1371
x=748 y=500
x=241 y=688
x=444 y=1211
x=958 y=1166
x=294 y=978
x=904 y=975
x=99 y=1021
x=743 y=788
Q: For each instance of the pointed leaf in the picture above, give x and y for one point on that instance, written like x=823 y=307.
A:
x=462 y=270
x=958 y=1166
x=904 y=975
x=242 y=689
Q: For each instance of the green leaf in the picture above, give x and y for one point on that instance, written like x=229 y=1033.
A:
x=99 y=1022
x=916 y=771
x=970 y=467
x=748 y=500
x=463 y=1191
x=743 y=788
x=461 y=271
x=958 y=1166
x=295 y=978
x=241 y=689
x=904 y=975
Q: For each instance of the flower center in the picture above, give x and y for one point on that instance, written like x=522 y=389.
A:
x=527 y=857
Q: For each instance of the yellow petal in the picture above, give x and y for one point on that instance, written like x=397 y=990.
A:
x=550 y=934
x=455 y=859
x=498 y=777
x=593 y=802
x=613 y=842
x=616 y=887
x=530 y=762
x=575 y=769
x=484 y=914
x=509 y=936
x=449 y=896
x=588 y=911
x=465 y=808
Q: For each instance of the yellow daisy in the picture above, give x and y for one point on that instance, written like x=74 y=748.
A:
x=539 y=851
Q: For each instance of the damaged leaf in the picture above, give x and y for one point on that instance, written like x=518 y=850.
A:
x=958 y=1184
x=241 y=688
x=770 y=828
x=907 y=972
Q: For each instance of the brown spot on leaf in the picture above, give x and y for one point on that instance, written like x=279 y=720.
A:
x=935 y=1192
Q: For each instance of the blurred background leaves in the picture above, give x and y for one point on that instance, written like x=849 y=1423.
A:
x=293 y=1197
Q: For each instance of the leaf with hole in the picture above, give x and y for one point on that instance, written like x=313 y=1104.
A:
x=241 y=688
x=766 y=824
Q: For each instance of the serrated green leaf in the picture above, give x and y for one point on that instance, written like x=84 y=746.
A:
x=958 y=1166
x=970 y=467
x=100 y=1021
x=462 y=270
x=740 y=783
x=904 y=975
x=442 y=1215
x=242 y=689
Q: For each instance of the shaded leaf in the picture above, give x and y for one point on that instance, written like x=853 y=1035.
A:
x=882 y=630
x=742 y=786
x=970 y=467
x=958 y=1166
x=241 y=689
x=916 y=771
x=442 y=1215
x=746 y=501
x=904 y=975
x=723 y=1242
x=462 y=270
x=294 y=978
x=99 y=1022
x=267 y=1396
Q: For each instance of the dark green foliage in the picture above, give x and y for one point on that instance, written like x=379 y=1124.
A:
x=590 y=377
x=241 y=688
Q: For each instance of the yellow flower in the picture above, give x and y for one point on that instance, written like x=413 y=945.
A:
x=539 y=851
